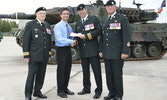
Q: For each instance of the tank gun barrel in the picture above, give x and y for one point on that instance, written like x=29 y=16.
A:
x=18 y=15
x=52 y=15
x=5 y=16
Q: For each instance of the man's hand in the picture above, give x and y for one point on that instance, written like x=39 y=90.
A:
x=73 y=44
x=48 y=31
x=100 y=54
x=49 y=59
x=27 y=60
x=123 y=56
x=82 y=36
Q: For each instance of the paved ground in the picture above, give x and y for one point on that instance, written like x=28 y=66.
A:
x=143 y=80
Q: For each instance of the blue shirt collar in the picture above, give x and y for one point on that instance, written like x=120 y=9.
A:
x=64 y=23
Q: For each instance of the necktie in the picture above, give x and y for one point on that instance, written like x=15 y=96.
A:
x=43 y=25
x=82 y=21
x=109 y=18
x=68 y=31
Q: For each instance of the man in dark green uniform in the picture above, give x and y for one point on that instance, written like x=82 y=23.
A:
x=114 y=48
x=37 y=52
x=90 y=28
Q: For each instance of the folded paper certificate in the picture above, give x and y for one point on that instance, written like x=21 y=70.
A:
x=75 y=34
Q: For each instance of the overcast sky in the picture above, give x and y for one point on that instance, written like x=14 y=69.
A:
x=29 y=6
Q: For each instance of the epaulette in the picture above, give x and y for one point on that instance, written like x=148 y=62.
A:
x=123 y=15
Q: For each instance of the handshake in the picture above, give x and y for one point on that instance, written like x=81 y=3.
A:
x=80 y=35
x=74 y=43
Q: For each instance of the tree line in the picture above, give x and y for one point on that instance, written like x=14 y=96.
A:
x=6 y=26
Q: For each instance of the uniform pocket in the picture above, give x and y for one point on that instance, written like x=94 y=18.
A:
x=33 y=49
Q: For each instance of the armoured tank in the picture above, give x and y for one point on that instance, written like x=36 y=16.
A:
x=148 y=40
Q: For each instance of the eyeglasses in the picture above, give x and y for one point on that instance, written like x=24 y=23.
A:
x=65 y=13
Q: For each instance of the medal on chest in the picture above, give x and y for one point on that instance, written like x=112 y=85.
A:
x=113 y=26
x=89 y=27
x=36 y=33
x=36 y=30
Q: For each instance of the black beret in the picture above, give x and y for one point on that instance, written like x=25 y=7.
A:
x=110 y=3
x=80 y=7
x=40 y=9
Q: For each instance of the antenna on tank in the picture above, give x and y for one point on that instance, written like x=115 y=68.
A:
x=119 y=3
x=137 y=4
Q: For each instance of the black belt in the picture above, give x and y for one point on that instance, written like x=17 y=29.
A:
x=65 y=47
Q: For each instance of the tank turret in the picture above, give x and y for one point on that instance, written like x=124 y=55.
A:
x=138 y=15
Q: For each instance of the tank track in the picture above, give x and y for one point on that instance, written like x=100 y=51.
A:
x=128 y=59
x=148 y=58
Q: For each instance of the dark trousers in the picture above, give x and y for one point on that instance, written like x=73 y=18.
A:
x=64 y=60
x=36 y=71
x=114 y=78
x=96 y=67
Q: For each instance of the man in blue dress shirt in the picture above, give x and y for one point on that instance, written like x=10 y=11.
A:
x=63 y=43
